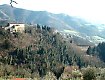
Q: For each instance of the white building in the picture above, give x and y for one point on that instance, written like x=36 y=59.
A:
x=15 y=27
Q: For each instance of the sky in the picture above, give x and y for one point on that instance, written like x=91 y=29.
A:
x=91 y=10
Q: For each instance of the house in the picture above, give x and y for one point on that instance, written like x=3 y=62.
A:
x=15 y=27
x=83 y=47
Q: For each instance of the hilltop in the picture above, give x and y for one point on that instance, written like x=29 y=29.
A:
x=64 y=23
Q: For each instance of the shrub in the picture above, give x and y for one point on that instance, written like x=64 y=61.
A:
x=89 y=74
x=102 y=74
x=76 y=74
x=49 y=76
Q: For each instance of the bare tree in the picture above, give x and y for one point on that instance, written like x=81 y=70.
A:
x=12 y=1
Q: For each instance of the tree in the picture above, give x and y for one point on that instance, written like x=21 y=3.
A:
x=89 y=50
x=101 y=50
x=58 y=70
x=12 y=1
x=7 y=44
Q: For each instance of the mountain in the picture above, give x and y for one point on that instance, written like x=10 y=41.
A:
x=59 y=21
x=63 y=23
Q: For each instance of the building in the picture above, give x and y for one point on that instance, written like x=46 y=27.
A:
x=84 y=47
x=15 y=27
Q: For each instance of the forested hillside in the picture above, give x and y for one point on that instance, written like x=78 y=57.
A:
x=98 y=50
x=39 y=49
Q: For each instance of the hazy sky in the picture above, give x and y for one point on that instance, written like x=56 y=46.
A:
x=89 y=9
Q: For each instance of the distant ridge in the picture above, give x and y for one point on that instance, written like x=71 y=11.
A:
x=61 y=22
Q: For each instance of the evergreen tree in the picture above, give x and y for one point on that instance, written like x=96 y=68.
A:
x=89 y=51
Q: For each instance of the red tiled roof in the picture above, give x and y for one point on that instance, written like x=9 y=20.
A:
x=19 y=79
